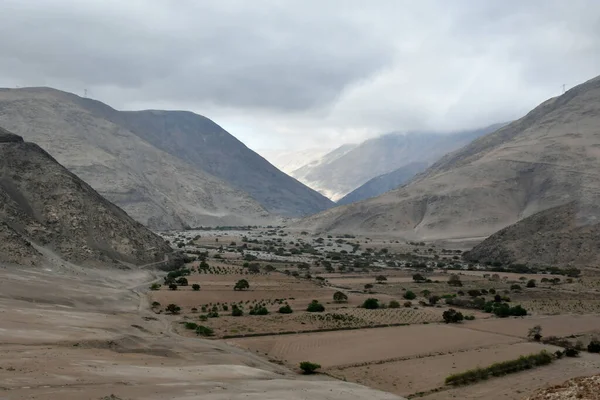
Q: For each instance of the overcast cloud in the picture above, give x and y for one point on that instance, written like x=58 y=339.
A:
x=307 y=73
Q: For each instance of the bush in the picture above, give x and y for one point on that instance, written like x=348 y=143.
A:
x=309 y=368
x=213 y=314
x=394 y=304
x=594 y=346
x=173 y=286
x=452 y=316
x=155 y=286
x=418 y=278
x=173 y=309
x=242 y=284
x=202 y=330
x=259 y=310
x=408 y=304
x=340 y=297
x=515 y=287
x=501 y=368
x=190 y=325
x=371 y=304
x=155 y=304
x=196 y=287
x=315 y=306
x=535 y=333
x=369 y=286
x=469 y=317
x=454 y=280
x=571 y=352
x=381 y=278
x=408 y=295
x=286 y=309
x=182 y=281
x=236 y=312
x=434 y=299
x=474 y=293
x=530 y=283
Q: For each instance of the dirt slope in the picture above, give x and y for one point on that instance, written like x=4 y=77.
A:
x=548 y=158
x=43 y=203
x=563 y=235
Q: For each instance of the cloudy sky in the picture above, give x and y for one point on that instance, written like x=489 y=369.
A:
x=307 y=73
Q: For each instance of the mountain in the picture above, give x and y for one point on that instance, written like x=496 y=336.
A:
x=559 y=236
x=290 y=160
x=202 y=143
x=384 y=183
x=548 y=158
x=43 y=204
x=349 y=167
x=157 y=187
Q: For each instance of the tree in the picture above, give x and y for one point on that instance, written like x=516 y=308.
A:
x=454 y=280
x=452 y=316
x=173 y=286
x=535 y=333
x=594 y=346
x=182 y=281
x=242 y=284
x=315 y=306
x=418 y=278
x=394 y=304
x=254 y=268
x=236 y=311
x=196 y=287
x=202 y=330
x=408 y=295
x=340 y=297
x=530 y=283
x=380 y=278
x=309 y=368
x=434 y=299
x=173 y=309
x=425 y=293
x=286 y=309
x=204 y=265
x=371 y=304
x=155 y=286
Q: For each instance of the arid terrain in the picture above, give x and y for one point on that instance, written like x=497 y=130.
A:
x=404 y=348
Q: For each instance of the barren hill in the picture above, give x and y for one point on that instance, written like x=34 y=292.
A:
x=42 y=203
x=563 y=235
x=548 y=158
x=156 y=188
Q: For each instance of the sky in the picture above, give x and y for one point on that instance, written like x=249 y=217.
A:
x=298 y=74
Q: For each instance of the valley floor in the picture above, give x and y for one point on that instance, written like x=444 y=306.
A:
x=71 y=333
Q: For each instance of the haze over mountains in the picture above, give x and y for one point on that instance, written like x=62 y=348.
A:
x=547 y=158
x=347 y=168
x=166 y=169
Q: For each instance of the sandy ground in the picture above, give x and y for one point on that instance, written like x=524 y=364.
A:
x=74 y=334
x=342 y=348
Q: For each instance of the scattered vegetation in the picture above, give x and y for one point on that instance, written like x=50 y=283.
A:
x=308 y=367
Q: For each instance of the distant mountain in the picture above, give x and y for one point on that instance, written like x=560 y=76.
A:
x=290 y=160
x=546 y=159
x=348 y=167
x=384 y=183
x=559 y=236
x=42 y=204
x=166 y=169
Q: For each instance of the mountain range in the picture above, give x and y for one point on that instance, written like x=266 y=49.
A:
x=167 y=169
x=348 y=167
x=546 y=159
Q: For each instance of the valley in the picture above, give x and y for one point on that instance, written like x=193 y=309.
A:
x=399 y=345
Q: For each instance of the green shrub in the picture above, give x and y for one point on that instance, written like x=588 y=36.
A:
x=371 y=304
x=213 y=314
x=394 y=304
x=173 y=286
x=452 y=316
x=594 y=346
x=285 y=309
x=469 y=317
x=408 y=295
x=340 y=297
x=242 y=284
x=190 y=325
x=259 y=310
x=315 y=306
x=308 y=367
x=196 y=287
x=236 y=312
x=173 y=309
x=501 y=368
x=155 y=286
x=202 y=330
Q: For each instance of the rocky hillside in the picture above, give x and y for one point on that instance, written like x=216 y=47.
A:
x=384 y=183
x=559 y=236
x=155 y=187
x=43 y=204
x=350 y=166
x=548 y=158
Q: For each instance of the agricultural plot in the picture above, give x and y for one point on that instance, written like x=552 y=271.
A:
x=562 y=306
